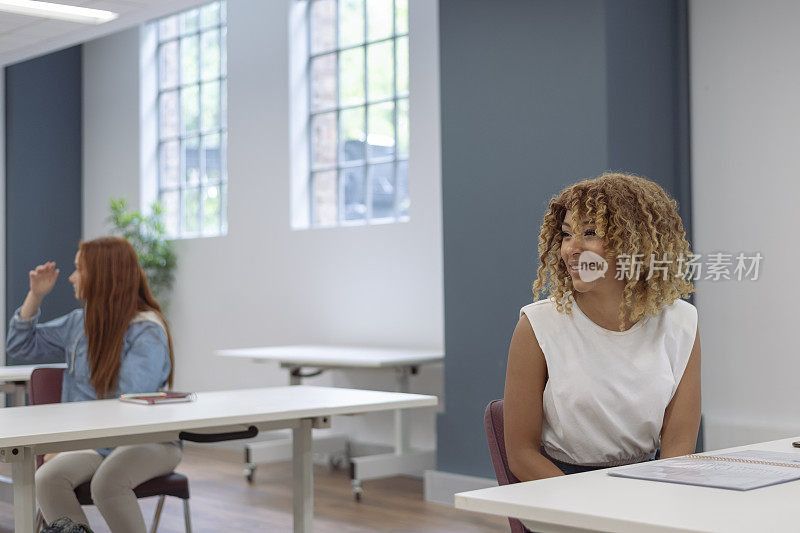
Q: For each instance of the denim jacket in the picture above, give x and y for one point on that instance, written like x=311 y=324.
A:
x=144 y=361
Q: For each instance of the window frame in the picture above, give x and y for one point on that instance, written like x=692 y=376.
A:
x=339 y=166
x=182 y=186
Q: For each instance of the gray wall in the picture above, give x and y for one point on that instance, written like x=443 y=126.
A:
x=43 y=174
x=535 y=96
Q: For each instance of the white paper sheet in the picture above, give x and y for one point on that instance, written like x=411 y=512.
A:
x=724 y=474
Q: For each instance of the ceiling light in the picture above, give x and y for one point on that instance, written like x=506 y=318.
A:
x=83 y=15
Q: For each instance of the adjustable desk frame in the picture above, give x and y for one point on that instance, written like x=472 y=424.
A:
x=309 y=361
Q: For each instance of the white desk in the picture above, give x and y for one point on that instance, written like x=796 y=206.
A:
x=14 y=379
x=405 y=362
x=598 y=502
x=28 y=431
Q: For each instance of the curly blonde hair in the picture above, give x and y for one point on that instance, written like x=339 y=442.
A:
x=632 y=215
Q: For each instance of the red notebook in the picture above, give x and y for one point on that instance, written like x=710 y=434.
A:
x=153 y=398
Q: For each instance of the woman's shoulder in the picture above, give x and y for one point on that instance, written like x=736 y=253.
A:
x=147 y=322
x=539 y=310
x=681 y=313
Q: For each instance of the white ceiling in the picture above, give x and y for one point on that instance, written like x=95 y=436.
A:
x=23 y=37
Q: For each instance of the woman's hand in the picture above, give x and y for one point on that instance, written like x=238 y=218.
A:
x=43 y=279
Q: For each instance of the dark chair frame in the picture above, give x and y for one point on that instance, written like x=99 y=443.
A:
x=493 y=421
x=45 y=387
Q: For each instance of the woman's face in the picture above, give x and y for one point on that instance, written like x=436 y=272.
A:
x=75 y=277
x=584 y=256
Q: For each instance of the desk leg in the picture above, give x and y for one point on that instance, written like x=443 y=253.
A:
x=20 y=387
x=402 y=438
x=303 y=478
x=22 y=473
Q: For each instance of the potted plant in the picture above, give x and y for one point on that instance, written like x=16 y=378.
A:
x=147 y=234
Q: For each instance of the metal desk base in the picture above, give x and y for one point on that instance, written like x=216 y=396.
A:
x=400 y=459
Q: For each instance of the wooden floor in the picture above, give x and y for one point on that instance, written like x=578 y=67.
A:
x=222 y=502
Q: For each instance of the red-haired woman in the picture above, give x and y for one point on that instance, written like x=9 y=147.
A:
x=117 y=343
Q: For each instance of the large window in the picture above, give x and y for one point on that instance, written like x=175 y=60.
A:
x=358 y=111
x=192 y=124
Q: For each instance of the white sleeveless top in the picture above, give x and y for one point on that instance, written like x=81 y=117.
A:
x=607 y=391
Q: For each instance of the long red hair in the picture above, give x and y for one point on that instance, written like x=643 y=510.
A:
x=114 y=290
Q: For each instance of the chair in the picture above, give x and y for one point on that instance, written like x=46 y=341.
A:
x=45 y=387
x=493 y=420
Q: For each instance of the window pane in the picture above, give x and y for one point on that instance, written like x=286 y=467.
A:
x=323 y=82
x=211 y=210
x=402 y=127
x=379 y=19
x=351 y=22
x=213 y=158
x=168 y=28
x=380 y=130
x=210 y=109
x=168 y=114
x=223 y=12
x=209 y=54
x=352 y=136
x=191 y=210
x=168 y=65
x=381 y=182
x=381 y=70
x=403 y=200
x=169 y=164
x=402 y=65
x=190 y=109
x=355 y=192
x=351 y=74
x=209 y=15
x=189 y=58
x=169 y=200
x=323 y=25
x=324 y=197
x=190 y=150
x=189 y=21
x=401 y=15
x=323 y=139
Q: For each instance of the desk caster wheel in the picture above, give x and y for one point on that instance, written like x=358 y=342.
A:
x=357 y=490
x=249 y=473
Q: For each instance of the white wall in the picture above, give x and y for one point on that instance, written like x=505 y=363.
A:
x=745 y=90
x=265 y=283
x=110 y=126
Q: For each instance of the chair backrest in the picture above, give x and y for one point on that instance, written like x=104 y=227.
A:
x=45 y=385
x=493 y=420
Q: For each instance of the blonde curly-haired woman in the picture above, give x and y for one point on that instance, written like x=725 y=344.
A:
x=605 y=371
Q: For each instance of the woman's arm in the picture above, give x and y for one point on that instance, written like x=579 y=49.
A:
x=145 y=366
x=27 y=339
x=682 y=416
x=526 y=376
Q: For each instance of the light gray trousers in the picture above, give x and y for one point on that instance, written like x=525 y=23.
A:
x=113 y=481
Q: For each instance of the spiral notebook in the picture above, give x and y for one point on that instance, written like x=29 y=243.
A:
x=744 y=470
x=155 y=398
